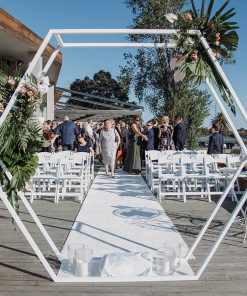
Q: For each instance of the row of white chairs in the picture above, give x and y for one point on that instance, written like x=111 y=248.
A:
x=189 y=173
x=62 y=174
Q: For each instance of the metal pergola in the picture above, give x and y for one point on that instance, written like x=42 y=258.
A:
x=58 y=35
x=104 y=108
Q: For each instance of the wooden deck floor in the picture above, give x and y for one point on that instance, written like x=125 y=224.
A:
x=22 y=274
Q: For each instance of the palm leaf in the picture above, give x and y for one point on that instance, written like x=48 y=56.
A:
x=210 y=7
x=230 y=40
x=202 y=9
x=229 y=14
x=194 y=8
x=218 y=12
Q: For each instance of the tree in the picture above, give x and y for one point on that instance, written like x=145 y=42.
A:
x=221 y=120
x=150 y=74
x=102 y=84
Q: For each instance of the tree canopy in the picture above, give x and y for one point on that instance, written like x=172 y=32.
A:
x=102 y=84
x=150 y=74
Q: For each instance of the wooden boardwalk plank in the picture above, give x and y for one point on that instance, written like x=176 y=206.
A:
x=22 y=274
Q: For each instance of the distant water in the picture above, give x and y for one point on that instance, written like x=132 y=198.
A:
x=226 y=139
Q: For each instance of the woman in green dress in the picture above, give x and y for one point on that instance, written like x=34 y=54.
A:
x=133 y=160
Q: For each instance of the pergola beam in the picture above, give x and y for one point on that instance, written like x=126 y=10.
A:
x=115 y=100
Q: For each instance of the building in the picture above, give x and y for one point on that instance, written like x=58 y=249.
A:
x=19 y=45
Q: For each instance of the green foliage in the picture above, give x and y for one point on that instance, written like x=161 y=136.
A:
x=221 y=120
x=102 y=84
x=150 y=74
x=222 y=37
x=20 y=137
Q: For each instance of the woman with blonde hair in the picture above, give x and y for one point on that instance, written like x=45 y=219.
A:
x=109 y=141
x=133 y=160
x=166 y=135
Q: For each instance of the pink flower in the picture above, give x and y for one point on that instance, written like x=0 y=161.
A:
x=217 y=36
x=23 y=90
x=211 y=25
x=194 y=56
x=188 y=17
x=11 y=81
x=30 y=93
x=217 y=54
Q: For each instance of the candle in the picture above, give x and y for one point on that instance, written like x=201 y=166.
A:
x=164 y=266
x=81 y=267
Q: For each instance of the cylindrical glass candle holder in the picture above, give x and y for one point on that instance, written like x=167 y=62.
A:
x=81 y=261
x=164 y=261
x=71 y=254
x=177 y=248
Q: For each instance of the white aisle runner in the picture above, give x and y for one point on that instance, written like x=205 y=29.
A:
x=121 y=215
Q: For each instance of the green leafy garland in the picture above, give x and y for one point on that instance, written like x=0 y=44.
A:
x=192 y=61
x=20 y=136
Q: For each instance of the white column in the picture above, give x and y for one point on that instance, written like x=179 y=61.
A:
x=37 y=70
x=48 y=112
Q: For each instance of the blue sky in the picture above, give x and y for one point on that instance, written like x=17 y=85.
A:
x=41 y=16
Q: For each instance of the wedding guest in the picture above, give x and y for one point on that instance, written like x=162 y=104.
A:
x=78 y=125
x=54 y=124
x=166 y=135
x=179 y=134
x=49 y=123
x=45 y=129
x=98 y=151
x=109 y=141
x=89 y=130
x=149 y=144
x=67 y=132
x=125 y=141
x=155 y=124
x=82 y=145
x=216 y=142
x=133 y=160
x=49 y=143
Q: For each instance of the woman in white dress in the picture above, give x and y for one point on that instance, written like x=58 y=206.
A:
x=109 y=141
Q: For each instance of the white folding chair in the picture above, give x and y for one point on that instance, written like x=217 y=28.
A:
x=194 y=174
x=152 y=168
x=72 y=178
x=45 y=182
x=171 y=181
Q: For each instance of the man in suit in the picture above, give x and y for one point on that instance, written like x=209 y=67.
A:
x=216 y=142
x=67 y=131
x=179 y=134
x=149 y=144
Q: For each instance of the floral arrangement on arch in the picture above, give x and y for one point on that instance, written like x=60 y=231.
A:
x=192 y=61
x=20 y=137
x=31 y=92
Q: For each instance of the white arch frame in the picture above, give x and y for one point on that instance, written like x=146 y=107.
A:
x=57 y=34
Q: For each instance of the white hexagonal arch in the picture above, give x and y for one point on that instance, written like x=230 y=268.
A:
x=57 y=34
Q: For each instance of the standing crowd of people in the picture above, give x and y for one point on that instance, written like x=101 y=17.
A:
x=115 y=143
x=109 y=140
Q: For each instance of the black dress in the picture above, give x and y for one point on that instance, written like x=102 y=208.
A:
x=84 y=148
x=166 y=139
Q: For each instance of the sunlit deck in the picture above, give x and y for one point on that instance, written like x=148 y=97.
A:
x=21 y=272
